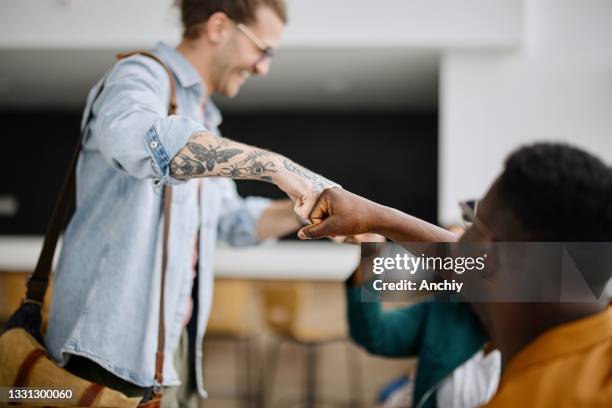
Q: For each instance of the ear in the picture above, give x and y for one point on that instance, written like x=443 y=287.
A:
x=217 y=27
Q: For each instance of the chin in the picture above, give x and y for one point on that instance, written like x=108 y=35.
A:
x=230 y=91
x=233 y=93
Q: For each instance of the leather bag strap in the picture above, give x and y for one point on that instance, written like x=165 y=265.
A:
x=161 y=330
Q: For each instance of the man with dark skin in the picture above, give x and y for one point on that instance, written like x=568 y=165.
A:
x=546 y=193
x=509 y=334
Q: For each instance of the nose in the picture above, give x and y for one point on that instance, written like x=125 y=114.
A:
x=262 y=67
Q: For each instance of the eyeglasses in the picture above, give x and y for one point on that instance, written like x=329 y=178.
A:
x=266 y=50
x=469 y=209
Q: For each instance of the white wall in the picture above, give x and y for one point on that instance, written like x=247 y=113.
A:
x=406 y=23
x=512 y=71
x=335 y=54
x=558 y=86
x=330 y=23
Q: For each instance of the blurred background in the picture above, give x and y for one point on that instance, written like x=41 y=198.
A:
x=412 y=103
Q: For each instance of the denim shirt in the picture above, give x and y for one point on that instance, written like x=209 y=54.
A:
x=107 y=283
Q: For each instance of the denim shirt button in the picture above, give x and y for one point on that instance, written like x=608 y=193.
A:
x=153 y=144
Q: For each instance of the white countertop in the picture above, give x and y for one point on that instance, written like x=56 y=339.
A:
x=285 y=260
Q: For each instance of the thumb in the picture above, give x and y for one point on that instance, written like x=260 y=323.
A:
x=322 y=229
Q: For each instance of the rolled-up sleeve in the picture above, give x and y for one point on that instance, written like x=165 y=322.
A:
x=130 y=125
x=239 y=216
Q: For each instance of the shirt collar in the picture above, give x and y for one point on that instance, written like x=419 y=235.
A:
x=183 y=70
x=562 y=340
x=187 y=77
x=212 y=114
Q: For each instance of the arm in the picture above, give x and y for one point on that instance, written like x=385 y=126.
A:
x=339 y=212
x=277 y=219
x=250 y=220
x=207 y=155
x=393 y=333
x=131 y=129
x=400 y=226
x=238 y=216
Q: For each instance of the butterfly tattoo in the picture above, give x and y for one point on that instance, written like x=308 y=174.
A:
x=210 y=156
x=182 y=165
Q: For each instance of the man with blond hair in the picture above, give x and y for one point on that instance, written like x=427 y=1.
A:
x=104 y=318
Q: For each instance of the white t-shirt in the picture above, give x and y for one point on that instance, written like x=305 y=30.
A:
x=473 y=383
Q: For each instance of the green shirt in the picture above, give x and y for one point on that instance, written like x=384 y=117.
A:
x=442 y=335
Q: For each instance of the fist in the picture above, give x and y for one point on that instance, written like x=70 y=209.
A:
x=338 y=212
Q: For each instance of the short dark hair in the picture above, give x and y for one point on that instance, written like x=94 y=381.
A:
x=196 y=12
x=559 y=193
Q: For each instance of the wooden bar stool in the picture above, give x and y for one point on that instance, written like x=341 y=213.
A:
x=288 y=311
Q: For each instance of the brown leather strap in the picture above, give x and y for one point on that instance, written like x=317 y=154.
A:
x=161 y=328
x=154 y=403
x=161 y=338
x=89 y=395
x=39 y=279
x=21 y=379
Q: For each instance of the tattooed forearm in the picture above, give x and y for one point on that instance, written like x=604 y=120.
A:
x=201 y=158
x=208 y=155
x=182 y=166
x=257 y=169
x=253 y=166
x=318 y=182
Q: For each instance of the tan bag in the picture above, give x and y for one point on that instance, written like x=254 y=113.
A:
x=24 y=362
x=17 y=345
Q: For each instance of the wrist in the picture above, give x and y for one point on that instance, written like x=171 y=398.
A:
x=292 y=183
x=380 y=220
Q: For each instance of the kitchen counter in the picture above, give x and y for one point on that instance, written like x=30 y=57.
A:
x=284 y=260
